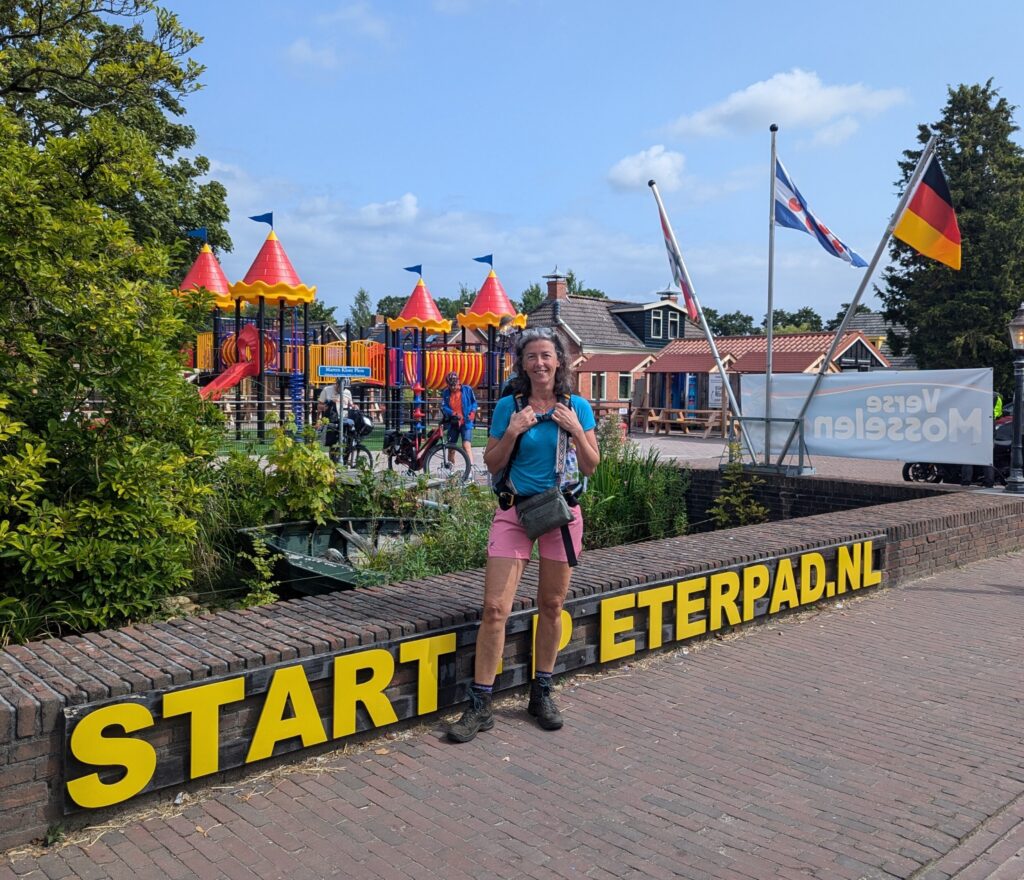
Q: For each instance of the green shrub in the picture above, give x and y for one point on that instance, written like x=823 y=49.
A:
x=301 y=482
x=632 y=496
x=735 y=504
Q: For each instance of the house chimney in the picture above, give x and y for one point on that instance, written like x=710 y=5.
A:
x=557 y=288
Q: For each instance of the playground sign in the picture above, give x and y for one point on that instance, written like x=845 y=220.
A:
x=332 y=372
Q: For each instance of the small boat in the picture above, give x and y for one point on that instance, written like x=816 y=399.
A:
x=314 y=558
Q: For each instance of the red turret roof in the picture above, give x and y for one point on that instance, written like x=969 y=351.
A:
x=272 y=276
x=420 y=312
x=206 y=272
x=490 y=306
x=272 y=265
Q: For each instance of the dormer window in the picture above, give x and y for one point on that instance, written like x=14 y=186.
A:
x=673 y=325
x=656 y=322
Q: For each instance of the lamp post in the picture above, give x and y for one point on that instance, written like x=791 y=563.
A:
x=1015 y=482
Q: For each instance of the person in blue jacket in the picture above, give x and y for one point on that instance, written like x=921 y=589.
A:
x=526 y=428
x=458 y=406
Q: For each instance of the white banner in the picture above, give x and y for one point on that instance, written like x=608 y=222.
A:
x=911 y=415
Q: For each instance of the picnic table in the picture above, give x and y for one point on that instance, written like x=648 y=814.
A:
x=668 y=420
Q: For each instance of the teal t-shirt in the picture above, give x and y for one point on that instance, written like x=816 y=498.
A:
x=533 y=469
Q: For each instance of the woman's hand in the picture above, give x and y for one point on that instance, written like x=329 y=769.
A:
x=566 y=419
x=522 y=421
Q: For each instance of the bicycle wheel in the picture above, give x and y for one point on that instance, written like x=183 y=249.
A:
x=437 y=465
x=359 y=457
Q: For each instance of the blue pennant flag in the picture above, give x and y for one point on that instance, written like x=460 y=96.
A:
x=265 y=218
x=417 y=269
x=792 y=211
x=198 y=233
x=489 y=260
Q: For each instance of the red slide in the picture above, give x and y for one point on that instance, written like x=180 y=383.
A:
x=247 y=365
x=228 y=379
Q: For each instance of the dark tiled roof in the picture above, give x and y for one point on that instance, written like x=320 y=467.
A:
x=875 y=327
x=591 y=321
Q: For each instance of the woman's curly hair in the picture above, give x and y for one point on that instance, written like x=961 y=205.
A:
x=520 y=384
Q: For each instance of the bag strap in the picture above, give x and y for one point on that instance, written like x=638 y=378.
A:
x=501 y=483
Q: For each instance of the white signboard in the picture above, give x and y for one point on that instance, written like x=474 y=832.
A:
x=714 y=390
x=919 y=415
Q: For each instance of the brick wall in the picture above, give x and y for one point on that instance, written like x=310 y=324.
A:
x=44 y=685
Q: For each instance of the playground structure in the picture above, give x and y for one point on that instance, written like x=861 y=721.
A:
x=417 y=352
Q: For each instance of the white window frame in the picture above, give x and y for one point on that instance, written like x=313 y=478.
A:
x=673 y=324
x=657 y=319
x=597 y=382
x=628 y=377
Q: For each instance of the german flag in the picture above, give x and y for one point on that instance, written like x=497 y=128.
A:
x=928 y=223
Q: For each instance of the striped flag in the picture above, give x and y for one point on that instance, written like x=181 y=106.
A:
x=928 y=223
x=675 y=261
x=793 y=212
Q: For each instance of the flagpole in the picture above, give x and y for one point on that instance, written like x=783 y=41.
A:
x=770 y=325
x=926 y=155
x=733 y=404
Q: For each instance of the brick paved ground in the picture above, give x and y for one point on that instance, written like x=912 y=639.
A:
x=877 y=739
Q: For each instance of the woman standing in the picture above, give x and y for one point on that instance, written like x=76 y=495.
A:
x=525 y=430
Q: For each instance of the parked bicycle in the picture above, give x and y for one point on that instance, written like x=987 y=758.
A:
x=430 y=453
x=344 y=438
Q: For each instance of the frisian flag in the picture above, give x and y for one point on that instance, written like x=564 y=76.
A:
x=928 y=223
x=793 y=212
x=675 y=261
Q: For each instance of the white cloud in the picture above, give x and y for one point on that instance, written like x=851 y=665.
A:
x=361 y=19
x=303 y=53
x=402 y=210
x=836 y=132
x=633 y=172
x=797 y=99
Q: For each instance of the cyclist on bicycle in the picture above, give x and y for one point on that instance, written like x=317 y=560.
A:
x=458 y=406
x=334 y=404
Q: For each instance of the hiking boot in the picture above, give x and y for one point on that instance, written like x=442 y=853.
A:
x=542 y=707
x=478 y=716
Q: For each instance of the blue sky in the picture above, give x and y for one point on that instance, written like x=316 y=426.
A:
x=386 y=134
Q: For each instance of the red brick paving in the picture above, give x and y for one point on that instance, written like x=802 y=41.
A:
x=879 y=739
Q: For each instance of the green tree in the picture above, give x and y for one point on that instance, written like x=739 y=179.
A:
x=361 y=314
x=74 y=67
x=575 y=287
x=730 y=324
x=833 y=323
x=530 y=298
x=958 y=319
x=391 y=306
x=804 y=320
x=106 y=451
x=449 y=308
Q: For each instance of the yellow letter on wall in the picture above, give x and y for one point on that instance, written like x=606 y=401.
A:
x=785 y=587
x=812 y=568
x=723 y=595
x=203 y=704
x=756 y=579
x=425 y=652
x=611 y=626
x=90 y=746
x=289 y=685
x=347 y=692
x=689 y=602
x=655 y=599
x=872 y=577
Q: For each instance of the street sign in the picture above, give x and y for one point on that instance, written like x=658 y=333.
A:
x=332 y=372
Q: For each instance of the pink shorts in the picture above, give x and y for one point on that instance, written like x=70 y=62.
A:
x=508 y=538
